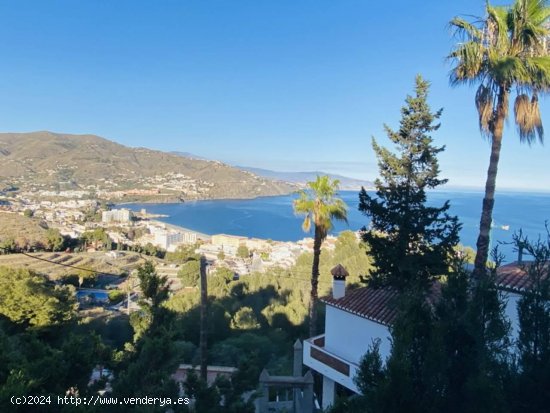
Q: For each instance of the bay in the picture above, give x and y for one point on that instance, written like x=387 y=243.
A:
x=273 y=217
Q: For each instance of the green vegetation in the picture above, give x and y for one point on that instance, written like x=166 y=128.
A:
x=153 y=286
x=245 y=319
x=92 y=160
x=449 y=358
x=449 y=352
x=182 y=254
x=97 y=239
x=54 y=240
x=42 y=350
x=243 y=252
x=116 y=296
x=22 y=233
x=96 y=260
x=505 y=50
x=27 y=298
x=451 y=347
x=410 y=242
x=534 y=338
x=320 y=206
x=189 y=273
x=86 y=276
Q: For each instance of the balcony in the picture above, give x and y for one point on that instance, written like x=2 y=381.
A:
x=318 y=358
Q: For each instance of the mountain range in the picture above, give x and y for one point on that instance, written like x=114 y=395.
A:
x=346 y=183
x=295 y=177
x=46 y=160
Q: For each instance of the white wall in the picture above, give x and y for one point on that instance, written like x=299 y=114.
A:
x=349 y=336
x=511 y=312
x=323 y=369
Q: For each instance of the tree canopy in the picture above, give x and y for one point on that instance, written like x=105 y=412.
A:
x=29 y=299
x=410 y=242
x=506 y=49
x=320 y=206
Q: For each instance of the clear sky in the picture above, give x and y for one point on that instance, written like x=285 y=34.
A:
x=280 y=84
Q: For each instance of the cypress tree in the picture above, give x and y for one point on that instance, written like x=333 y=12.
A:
x=410 y=241
x=534 y=335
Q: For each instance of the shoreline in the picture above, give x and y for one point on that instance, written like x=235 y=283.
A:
x=200 y=235
x=187 y=201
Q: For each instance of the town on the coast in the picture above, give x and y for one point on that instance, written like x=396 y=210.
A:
x=399 y=169
x=122 y=229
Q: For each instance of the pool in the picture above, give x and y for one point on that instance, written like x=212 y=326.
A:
x=93 y=295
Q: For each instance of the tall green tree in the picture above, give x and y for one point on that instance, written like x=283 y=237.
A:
x=321 y=207
x=534 y=329
x=153 y=286
x=29 y=299
x=505 y=52
x=54 y=239
x=448 y=354
x=410 y=242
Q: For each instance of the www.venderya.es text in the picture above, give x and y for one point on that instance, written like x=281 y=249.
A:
x=98 y=400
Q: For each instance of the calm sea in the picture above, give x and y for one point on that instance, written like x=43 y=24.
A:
x=273 y=218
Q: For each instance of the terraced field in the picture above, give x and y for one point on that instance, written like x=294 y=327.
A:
x=99 y=261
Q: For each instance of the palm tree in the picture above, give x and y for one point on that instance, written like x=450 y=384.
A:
x=504 y=53
x=320 y=207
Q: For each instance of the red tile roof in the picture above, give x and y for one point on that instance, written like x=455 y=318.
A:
x=379 y=304
x=374 y=304
x=513 y=277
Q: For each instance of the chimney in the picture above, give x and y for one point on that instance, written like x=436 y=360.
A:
x=339 y=274
x=520 y=252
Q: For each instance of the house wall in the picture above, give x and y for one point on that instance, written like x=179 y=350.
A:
x=325 y=370
x=511 y=312
x=349 y=336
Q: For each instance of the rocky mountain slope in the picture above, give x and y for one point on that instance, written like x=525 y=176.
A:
x=42 y=161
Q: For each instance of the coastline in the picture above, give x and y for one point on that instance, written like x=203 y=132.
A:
x=200 y=235
x=187 y=201
x=271 y=217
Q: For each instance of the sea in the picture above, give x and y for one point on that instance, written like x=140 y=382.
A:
x=273 y=217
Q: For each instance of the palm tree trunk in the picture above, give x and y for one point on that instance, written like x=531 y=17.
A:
x=482 y=254
x=314 y=282
x=203 y=321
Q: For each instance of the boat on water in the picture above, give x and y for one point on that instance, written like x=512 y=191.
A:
x=503 y=227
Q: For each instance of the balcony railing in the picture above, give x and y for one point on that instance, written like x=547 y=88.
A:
x=329 y=364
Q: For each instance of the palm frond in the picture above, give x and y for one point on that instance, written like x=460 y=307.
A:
x=509 y=48
x=465 y=29
x=306 y=225
x=484 y=104
x=509 y=70
x=320 y=205
x=528 y=119
x=468 y=61
x=496 y=34
x=538 y=73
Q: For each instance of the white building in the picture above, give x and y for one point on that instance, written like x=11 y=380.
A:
x=117 y=215
x=355 y=318
x=169 y=240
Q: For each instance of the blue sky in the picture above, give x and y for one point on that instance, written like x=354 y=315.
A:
x=280 y=84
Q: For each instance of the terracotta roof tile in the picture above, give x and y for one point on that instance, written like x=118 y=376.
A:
x=514 y=277
x=379 y=304
x=374 y=304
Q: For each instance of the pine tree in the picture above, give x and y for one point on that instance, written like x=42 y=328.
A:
x=534 y=335
x=410 y=241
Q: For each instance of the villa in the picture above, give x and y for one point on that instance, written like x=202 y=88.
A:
x=354 y=319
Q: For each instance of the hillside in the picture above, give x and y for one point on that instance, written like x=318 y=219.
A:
x=46 y=161
x=23 y=231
